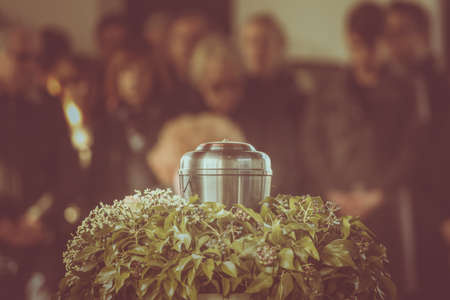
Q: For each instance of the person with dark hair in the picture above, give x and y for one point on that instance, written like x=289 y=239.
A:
x=184 y=32
x=55 y=44
x=112 y=32
x=124 y=136
x=156 y=28
x=408 y=35
x=408 y=32
x=35 y=168
x=263 y=45
x=359 y=136
x=273 y=99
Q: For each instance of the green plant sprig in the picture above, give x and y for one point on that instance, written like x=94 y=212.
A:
x=155 y=245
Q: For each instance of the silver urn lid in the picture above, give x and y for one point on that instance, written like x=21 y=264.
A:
x=226 y=172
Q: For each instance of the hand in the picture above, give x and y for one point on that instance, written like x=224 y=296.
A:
x=359 y=202
x=342 y=199
x=445 y=230
x=367 y=200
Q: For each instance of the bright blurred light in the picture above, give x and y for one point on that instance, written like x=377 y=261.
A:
x=80 y=135
x=72 y=214
x=53 y=86
x=80 y=138
x=73 y=113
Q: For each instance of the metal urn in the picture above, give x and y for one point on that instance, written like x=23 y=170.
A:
x=226 y=172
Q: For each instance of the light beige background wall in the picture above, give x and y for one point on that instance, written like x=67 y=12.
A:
x=315 y=27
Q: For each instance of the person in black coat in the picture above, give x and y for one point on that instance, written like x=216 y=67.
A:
x=127 y=133
x=274 y=100
x=408 y=36
x=38 y=170
x=360 y=140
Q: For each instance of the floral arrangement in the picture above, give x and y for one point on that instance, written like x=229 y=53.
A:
x=156 y=245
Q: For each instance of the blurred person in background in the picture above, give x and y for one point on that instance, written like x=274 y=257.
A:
x=263 y=46
x=359 y=143
x=156 y=29
x=408 y=36
x=55 y=45
x=273 y=98
x=112 y=33
x=217 y=75
x=183 y=134
x=155 y=32
x=122 y=138
x=33 y=183
x=184 y=32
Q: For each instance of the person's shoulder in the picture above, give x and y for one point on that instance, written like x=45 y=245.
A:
x=391 y=79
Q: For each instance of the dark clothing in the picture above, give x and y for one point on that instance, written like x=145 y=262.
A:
x=121 y=143
x=356 y=136
x=365 y=137
x=183 y=99
x=36 y=158
x=270 y=116
x=429 y=183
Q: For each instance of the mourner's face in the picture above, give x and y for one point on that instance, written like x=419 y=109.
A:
x=183 y=36
x=222 y=86
x=111 y=39
x=261 y=48
x=362 y=55
x=19 y=64
x=406 y=43
x=134 y=84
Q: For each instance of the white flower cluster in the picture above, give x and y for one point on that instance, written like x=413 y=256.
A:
x=104 y=219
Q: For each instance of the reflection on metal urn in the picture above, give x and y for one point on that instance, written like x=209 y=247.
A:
x=226 y=172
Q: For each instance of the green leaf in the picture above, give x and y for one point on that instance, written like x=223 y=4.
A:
x=287 y=258
x=229 y=268
x=139 y=250
x=197 y=260
x=389 y=287
x=214 y=251
x=301 y=282
x=191 y=276
x=238 y=246
x=345 y=227
x=338 y=254
x=192 y=292
x=235 y=282
x=285 y=287
x=183 y=239
x=170 y=287
x=181 y=265
x=86 y=252
x=208 y=268
x=261 y=282
x=120 y=280
x=106 y=275
x=194 y=199
x=144 y=284
x=226 y=286
x=276 y=236
x=201 y=241
x=307 y=245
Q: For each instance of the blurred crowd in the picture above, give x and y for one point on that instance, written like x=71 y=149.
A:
x=370 y=136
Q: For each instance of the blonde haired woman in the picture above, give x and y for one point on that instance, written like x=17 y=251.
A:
x=216 y=73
